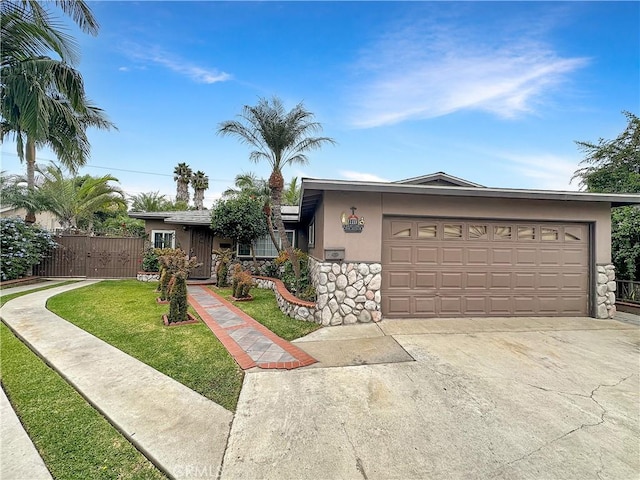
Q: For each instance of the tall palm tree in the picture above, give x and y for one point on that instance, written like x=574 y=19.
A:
x=42 y=100
x=182 y=176
x=250 y=185
x=148 y=202
x=281 y=138
x=200 y=183
x=73 y=199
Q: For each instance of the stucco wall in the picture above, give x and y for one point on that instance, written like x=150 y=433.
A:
x=366 y=246
x=183 y=238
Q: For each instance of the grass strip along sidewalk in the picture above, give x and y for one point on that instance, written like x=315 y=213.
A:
x=74 y=440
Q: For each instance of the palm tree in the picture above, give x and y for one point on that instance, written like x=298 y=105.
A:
x=291 y=196
x=182 y=176
x=74 y=199
x=42 y=100
x=249 y=184
x=281 y=138
x=199 y=182
x=149 y=202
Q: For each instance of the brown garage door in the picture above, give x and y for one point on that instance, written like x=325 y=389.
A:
x=455 y=268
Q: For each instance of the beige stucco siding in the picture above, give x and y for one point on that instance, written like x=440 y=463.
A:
x=359 y=247
x=183 y=238
x=366 y=246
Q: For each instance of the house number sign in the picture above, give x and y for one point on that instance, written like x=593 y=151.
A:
x=352 y=223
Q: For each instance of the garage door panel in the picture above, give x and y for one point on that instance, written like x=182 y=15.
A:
x=400 y=255
x=524 y=305
x=398 y=305
x=501 y=256
x=444 y=267
x=428 y=280
x=499 y=280
x=475 y=305
x=426 y=255
x=451 y=280
x=499 y=305
x=425 y=306
x=452 y=256
x=478 y=256
x=451 y=305
x=477 y=280
x=524 y=280
x=399 y=280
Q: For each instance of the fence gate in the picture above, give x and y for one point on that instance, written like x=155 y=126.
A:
x=93 y=257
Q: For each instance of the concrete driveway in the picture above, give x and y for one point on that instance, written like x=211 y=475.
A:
x=479 y=398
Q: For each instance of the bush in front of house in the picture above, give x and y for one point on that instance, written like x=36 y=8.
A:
x=150 y=262
x=21 y=247
x=242 y=282
x=178 y=265
x=303 y=289
x=225 y=256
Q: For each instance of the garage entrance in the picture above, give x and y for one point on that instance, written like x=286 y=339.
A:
x=462 y=268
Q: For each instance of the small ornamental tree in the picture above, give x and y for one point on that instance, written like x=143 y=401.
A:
x=240 y=219
x=242 y=283
x=225 y=255
x=21 y=247
x=179 y=265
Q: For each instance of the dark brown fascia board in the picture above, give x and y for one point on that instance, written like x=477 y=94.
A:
x=616 y=199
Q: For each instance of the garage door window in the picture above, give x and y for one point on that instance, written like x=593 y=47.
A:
x=526 y=233
x=427 y=230
x=400 y=229
x=478 y=232
x=572 y=234
x=452 y=231
x=502 y=232
x=549 y=234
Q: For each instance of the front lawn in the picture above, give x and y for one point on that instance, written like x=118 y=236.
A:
x=124 y=313
x=264 y=309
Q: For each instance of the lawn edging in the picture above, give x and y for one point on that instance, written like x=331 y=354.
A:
x=289 y=304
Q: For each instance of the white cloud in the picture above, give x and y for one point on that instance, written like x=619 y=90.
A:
x=178 y=65
x=544 y=171
x=423 y=72
x=123 y=69
x=361 y=176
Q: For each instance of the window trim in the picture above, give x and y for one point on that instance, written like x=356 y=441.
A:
x=293 y=243
x=171 y=232
x=311 y=233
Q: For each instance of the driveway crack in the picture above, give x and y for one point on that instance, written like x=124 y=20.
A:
x=584 y=425
x=359 y=465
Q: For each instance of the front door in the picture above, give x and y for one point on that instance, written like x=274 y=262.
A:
x=201 y=248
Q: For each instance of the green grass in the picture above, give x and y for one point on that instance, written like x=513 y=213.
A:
x=124 y=313
x=264 y=308
x=73 y=438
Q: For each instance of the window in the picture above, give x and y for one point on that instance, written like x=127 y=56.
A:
x=549 y=234
x=526 y=233
x=264 y=246
x=427 y=230
x=501 y=232
x=311 y=233
x=163 y=238
x=572 y=234
x=478 y=232
x=452 y=231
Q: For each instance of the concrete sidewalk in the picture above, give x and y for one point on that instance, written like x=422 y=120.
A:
x=180 y=431
x=33 y=286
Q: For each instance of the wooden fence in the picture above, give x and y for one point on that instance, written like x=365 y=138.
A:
x=93 y=257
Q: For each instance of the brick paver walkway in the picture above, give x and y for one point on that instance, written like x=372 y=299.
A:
x=250 y=343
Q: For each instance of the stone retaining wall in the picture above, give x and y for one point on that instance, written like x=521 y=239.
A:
x=347 y=292
x=148 y=276
x=289 y=305
x=605 y=291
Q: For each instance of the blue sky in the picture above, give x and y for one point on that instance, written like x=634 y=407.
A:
x=492 y=92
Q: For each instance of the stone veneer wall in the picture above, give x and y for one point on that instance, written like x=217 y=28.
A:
x=148 y=277
x=289 y=305
x=605 y=291
x=246 y=265
x=347 y=292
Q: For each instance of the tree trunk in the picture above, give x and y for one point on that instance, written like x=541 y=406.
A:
x=276 y=200
x=31 y=176
x=253 y=255
x=272 y=234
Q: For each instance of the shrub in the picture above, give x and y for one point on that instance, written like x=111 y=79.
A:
x=150 y=261
x=242 y=282
x=303 y=289
x=178 y=265
x=178 y=306
x=22 y=246
x=225 y=255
